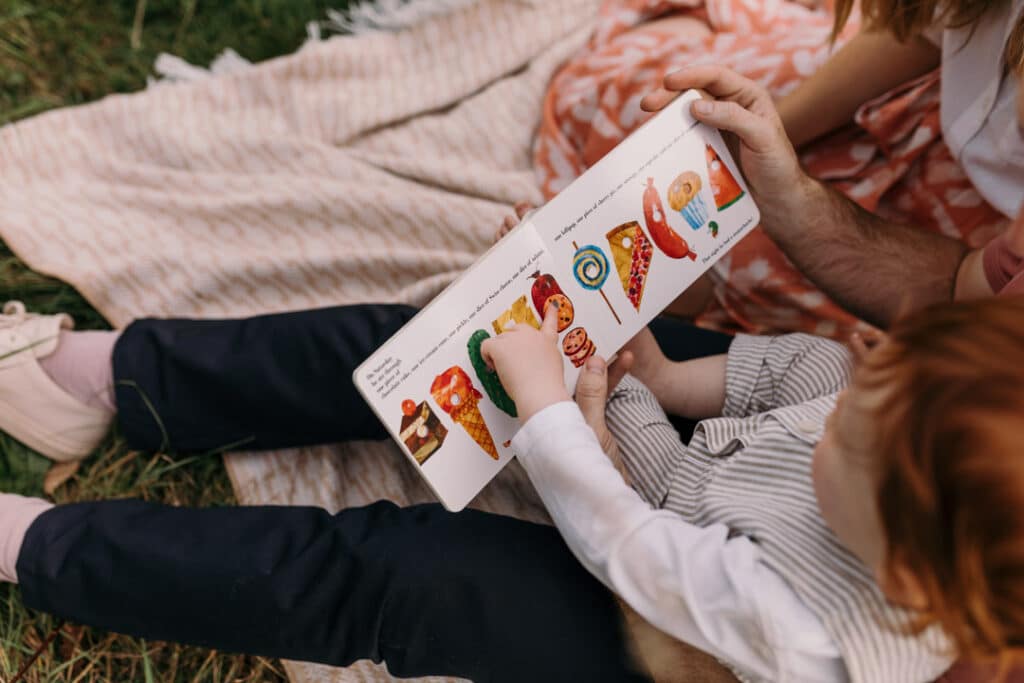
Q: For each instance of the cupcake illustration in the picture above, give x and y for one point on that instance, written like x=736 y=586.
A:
x=684 y=196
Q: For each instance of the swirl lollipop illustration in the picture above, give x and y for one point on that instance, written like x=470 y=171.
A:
x=591 y=268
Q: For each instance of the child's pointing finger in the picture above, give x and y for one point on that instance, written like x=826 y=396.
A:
x=550 y=325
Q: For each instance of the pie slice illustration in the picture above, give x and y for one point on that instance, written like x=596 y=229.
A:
x=631 y=251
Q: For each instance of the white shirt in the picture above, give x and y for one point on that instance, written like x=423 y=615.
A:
x=979 y=106
x=692 y=582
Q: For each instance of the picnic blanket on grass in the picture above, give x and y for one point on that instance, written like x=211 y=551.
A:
x=377 y=167
x=362 y=168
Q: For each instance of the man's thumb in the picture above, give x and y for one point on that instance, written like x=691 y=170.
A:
x=592 y=391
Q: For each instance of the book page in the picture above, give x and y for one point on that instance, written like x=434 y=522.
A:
x=613 y=249
x=641 y=225
x=428 y=384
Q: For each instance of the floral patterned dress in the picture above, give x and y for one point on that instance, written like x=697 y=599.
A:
x=892 y=161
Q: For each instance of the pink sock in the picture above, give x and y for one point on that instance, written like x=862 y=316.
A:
x=16 y=515
x=82 y=366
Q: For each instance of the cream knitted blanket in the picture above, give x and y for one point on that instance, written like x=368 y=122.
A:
x=369 y=168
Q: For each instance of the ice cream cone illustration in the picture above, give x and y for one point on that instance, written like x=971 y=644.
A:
x=454 y=392
x=723 y=186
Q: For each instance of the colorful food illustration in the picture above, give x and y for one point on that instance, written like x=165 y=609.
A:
x=631 y=251
x=454 y=392
x=520 y=312
x=713 y=227
x=590 y=266
x=544 y=289
x=578 y=346
x=665 y=238
x=421 y=430
x=488 y=378
x=723 y=186
x=684 y=196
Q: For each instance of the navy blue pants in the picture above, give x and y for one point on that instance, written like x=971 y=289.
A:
x=475 y=595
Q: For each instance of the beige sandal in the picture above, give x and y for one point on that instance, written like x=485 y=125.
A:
x=33 y=408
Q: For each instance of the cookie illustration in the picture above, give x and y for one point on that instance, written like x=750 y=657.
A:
x=545 y=288
x=565 y=311
x=578 y=346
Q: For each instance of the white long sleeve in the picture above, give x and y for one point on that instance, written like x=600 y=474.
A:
x=692 y=582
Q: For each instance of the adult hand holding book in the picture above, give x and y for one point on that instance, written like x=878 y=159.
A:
x=745 y=109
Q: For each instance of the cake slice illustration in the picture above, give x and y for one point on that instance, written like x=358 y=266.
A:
x=488 y=378
x=684 y=196
x=578 y=346
x=631 y=252
x=545 y=291
x=454 y=392
x=519 y=312
x=665 y=238
x=724 y=187
x=421 y=431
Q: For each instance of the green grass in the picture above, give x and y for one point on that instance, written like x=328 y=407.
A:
x=55 y=54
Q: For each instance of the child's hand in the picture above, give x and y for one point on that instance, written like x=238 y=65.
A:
x=529 y=364
x=862 y=341
x=595 y=384
x=512 y=221
x=647 y=362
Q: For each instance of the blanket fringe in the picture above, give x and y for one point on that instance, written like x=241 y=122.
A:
x=366 y=16
x=369 y=16
x=174 y=69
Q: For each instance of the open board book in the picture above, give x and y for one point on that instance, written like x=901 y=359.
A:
x=613 y=249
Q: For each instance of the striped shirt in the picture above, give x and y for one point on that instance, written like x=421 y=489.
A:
x=751 y=470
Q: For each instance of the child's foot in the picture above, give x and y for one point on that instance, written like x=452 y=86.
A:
x=34 y=409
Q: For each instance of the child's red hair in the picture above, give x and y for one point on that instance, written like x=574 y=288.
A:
x=950 y=445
